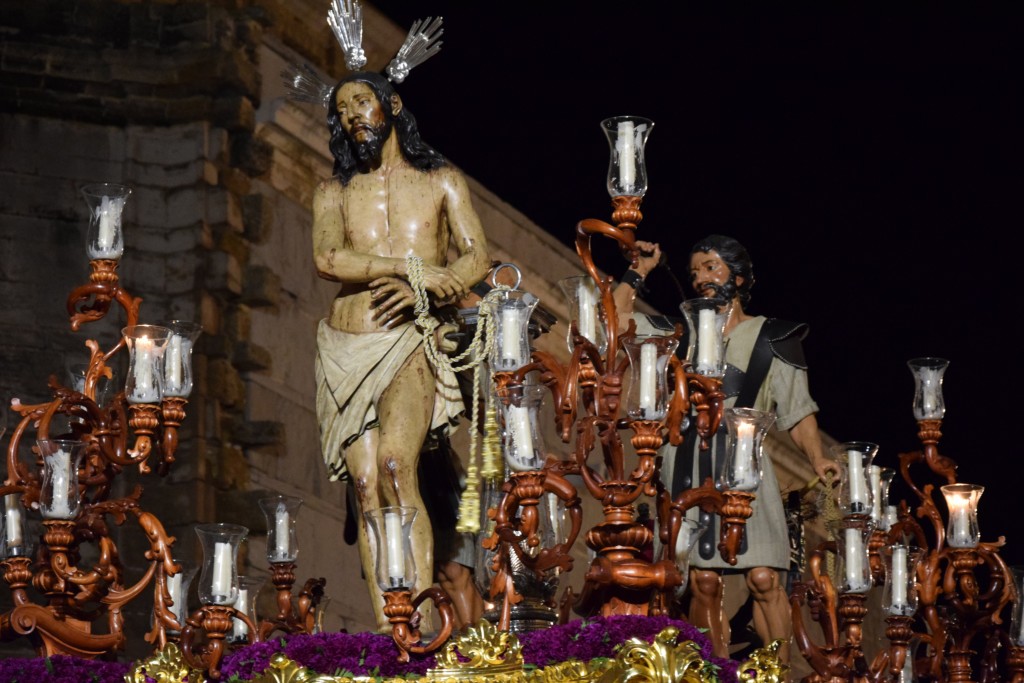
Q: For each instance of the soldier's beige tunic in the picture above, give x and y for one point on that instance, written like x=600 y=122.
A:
x=785 y=392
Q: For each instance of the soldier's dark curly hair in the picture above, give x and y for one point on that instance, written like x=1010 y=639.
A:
x=736 y=258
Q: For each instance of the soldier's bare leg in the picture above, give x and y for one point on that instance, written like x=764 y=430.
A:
x=457 y=580
x=707 y=609
x=772 y=617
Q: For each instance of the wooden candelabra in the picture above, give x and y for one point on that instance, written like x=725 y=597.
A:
x=963 y=595
x=619 y=580
x=75 y=610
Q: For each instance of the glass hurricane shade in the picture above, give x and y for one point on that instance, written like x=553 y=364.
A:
x=627 y=139
x=105 y=236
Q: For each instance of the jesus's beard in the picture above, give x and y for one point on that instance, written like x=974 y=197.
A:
x=368 y=152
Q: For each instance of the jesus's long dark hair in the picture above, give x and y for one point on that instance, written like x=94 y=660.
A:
x=418 y=153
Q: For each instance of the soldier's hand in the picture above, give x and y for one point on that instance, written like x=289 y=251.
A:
x=648 y=257
x=823 y=466
x=391 y=295
x=443 y=283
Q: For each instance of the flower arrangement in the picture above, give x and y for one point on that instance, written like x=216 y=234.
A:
x=371 y=654
x=62 y=669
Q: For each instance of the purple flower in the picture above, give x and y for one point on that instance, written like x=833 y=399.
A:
x=359 y=654
x=62 y=669
x=600 y=637
x=367 y=654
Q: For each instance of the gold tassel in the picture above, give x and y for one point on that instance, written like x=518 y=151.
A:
x=469 y=506
x=492 y=470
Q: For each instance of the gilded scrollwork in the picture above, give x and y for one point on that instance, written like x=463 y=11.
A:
x=165 y=666
x=764 y=665
x=662 y=661
x=485 y=654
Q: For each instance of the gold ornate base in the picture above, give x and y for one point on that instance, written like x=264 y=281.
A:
x=483 y=654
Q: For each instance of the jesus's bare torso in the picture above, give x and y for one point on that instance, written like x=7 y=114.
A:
x=388 y=213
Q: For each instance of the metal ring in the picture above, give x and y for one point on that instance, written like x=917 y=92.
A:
x=494 y=274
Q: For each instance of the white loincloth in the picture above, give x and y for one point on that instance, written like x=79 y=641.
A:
x=352 y=371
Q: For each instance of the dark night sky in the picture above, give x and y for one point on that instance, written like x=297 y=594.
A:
x=870 y=162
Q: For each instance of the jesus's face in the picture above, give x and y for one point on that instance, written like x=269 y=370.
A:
x=363 y=119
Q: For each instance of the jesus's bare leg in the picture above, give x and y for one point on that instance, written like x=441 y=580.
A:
x=383 y=463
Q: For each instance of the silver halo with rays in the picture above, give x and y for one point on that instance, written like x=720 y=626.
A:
x=345 y=17
x=422 y=43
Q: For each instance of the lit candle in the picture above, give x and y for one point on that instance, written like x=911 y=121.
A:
x=146 y=390
x=587 y=312
x=396 y=553
x=648 y=379
x=282 y=532
x=854 y=560
x=743 y=463
x=855 y=472
x=108 y=215
x=60 y=472
x=627 y=168
x=899 y=577
x=875 y=477
x=13 y=521
x=959 y=522
x=221 y=570
x=172 y=364
x=239 y=629
x=521 y=428
x=707 y=341
x=510 y=334
x=174 y=589
x=929 y=392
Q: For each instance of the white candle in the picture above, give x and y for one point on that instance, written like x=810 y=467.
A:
x=959 y=522
x=282 y=532
x=146 y=390
x=108 y=215
x=60 y=471
x=521 y=428
x=172 y=364
x=707 y=341
x=648 y=379
x=78 y=379
x=875 y=477
x=929 y=392
x=627 y=167
x=13 y=521
x=239 y=629
x=891 y=517
x=177 y=599
x=854 y=560
x=222 y=562
x=855 y=472
x=588 y=312
x=510 y=334
x=396 y=553
x=899 y=576
x=743 y=462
